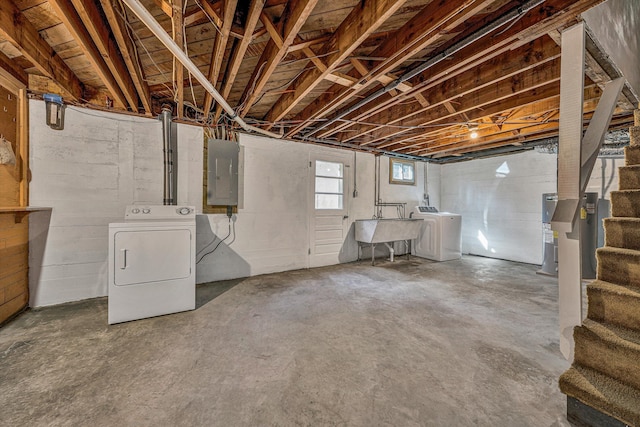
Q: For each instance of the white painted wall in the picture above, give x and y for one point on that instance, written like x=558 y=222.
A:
x=504 y=210
x=501 y=211
x=102 y=162
x=88 y=173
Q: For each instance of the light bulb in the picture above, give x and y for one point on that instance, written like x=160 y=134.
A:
x=473 y=134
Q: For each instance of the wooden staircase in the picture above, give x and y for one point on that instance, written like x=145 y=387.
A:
x=605 y=374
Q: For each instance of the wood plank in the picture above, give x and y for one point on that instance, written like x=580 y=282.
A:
x=70 y=18
x=177 y=22
x=11 y=308
x=98 y=29
x=23 y=147
x=432 y=23
x=23 y=36
x=362 y=21
x=530 y=56
x=219 y=47
x=127 y=49
x=239 y=51
x=554 y=12
x=293 y=18
x=165 y=7
x=11 y=76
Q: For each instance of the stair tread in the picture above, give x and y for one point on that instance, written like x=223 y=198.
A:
x=602 y=393
x=629 y=191
x=624 y=290
x=619 y=251
x=628 y=219
x=616 y=335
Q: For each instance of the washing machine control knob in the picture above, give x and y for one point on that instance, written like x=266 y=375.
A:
x=135 y=211
x=146 y=211
x=184 y=211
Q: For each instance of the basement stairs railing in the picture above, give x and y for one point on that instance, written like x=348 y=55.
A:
x=605 y=374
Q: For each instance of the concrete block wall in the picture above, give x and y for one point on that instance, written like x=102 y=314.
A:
x=87 y=173
x=500 y=200
x=102 y=162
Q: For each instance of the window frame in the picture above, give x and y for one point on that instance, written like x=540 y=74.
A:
x=315 y=189
x=393 y=162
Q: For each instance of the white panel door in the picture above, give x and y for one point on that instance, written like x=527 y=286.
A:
x=151 y=256
x=329 y=207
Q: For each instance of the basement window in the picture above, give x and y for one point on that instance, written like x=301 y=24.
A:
x=402 y=172
x=329 y=185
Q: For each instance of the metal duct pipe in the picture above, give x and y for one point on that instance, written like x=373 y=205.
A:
x=169 y=197
x=143 y=14
x=507 y=17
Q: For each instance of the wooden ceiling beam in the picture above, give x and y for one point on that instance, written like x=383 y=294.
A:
x=616 y=123
x=307 y=43
x=206 y=11
x=128 y=50
x=99 y=31
x=534 y=56
x=239 y=51
x=294 y=16
x=553 y=13
x=15 y=28
x=219 y=47
x=165 y=7
x=432 y=23
x=177 y=28
x=11 y=76
x=536 y=108
x=503 y=95
x=66 y=12
x=362 y=21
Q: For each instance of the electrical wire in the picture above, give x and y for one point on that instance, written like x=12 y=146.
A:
x=219 y=243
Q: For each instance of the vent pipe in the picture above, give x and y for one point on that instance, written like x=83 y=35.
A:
x=170 y=154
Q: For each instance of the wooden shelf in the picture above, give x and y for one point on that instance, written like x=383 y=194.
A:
x=22 y=211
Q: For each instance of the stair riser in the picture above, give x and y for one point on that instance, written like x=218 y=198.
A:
x=618 y=268
x=620 y=234
x=634 y=135
x=629 y=178
x=625 y=204
x=616 y=309
x=620 y=363
x=632 y=155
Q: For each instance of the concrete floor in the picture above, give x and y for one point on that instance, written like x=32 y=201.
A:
x=413 y=343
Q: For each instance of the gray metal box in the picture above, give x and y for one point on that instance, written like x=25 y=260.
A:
x=222 y=172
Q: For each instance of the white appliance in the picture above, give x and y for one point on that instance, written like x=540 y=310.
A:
x=440 y=237
x=152 y=267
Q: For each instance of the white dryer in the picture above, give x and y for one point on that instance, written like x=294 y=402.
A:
x=440 y=237
x=152 y=267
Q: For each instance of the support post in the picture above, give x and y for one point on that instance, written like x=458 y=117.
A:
x=576 y=158
x=569 y=165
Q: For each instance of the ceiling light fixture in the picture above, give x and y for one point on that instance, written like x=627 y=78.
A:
x=473 y=130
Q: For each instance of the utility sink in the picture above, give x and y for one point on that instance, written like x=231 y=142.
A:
x=386 y=230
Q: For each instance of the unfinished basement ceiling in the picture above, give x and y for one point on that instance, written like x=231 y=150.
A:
x=408 y=77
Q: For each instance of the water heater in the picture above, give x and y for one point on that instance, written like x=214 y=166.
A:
x=592 y=211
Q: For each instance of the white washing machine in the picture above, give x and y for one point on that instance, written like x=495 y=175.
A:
x=440 y=237
x=152 y=268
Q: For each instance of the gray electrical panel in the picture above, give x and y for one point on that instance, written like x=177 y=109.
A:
x=592 y=211
x=222 y=172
